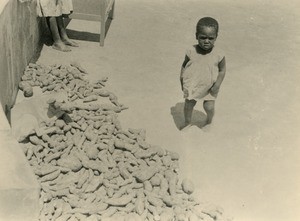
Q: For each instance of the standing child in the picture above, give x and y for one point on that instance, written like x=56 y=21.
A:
x=203 y=71
x=54 y=11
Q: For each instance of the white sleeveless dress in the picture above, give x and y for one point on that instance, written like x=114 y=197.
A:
x=200 y=73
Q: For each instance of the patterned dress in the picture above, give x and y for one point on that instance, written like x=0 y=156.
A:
x=46 y=8
x=201 y=73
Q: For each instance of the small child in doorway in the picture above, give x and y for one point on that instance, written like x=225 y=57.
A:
x=55 y=11
x=203 y=71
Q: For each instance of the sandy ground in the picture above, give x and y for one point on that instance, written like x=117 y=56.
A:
x=248 y=162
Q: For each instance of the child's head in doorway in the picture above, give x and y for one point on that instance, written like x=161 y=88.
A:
x=207 y=32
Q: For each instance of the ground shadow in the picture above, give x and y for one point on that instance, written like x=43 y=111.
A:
x=198 y=118
x=73 y=34
x=83 y=36
x=86 y=36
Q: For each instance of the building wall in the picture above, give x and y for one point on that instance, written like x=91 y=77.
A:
x=20 y=32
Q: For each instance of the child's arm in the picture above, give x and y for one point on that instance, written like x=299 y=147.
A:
x=222 y=71
x=186 y=60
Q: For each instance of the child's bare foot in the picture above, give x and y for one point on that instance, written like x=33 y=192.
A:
x=60 y=46
x=70 y=43
x=206 y=128
x=208 y=121
x=185 y=127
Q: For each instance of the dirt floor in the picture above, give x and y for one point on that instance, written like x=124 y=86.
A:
x=248 y=161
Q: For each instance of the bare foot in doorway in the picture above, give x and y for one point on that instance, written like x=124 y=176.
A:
x=60 y=46
x=70 y=43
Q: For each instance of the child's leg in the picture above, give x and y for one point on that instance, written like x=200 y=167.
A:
x=209 y=107
x=58 y=44
x=188 y=111
x=63 y=32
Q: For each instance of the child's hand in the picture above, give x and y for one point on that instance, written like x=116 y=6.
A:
x=185 y=93
x=181 y=83
x=214 y=90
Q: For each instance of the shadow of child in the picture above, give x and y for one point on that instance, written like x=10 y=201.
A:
x=85 y=35
x=198 y=117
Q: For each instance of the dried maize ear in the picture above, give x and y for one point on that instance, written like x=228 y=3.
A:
x=146 y=173
x=50 y=176
x=120 y=201
x=90 y=98
x=92 y=152
x=71 y=162
x=187 y=186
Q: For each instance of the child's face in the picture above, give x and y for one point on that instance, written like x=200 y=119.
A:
x=206 y=37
